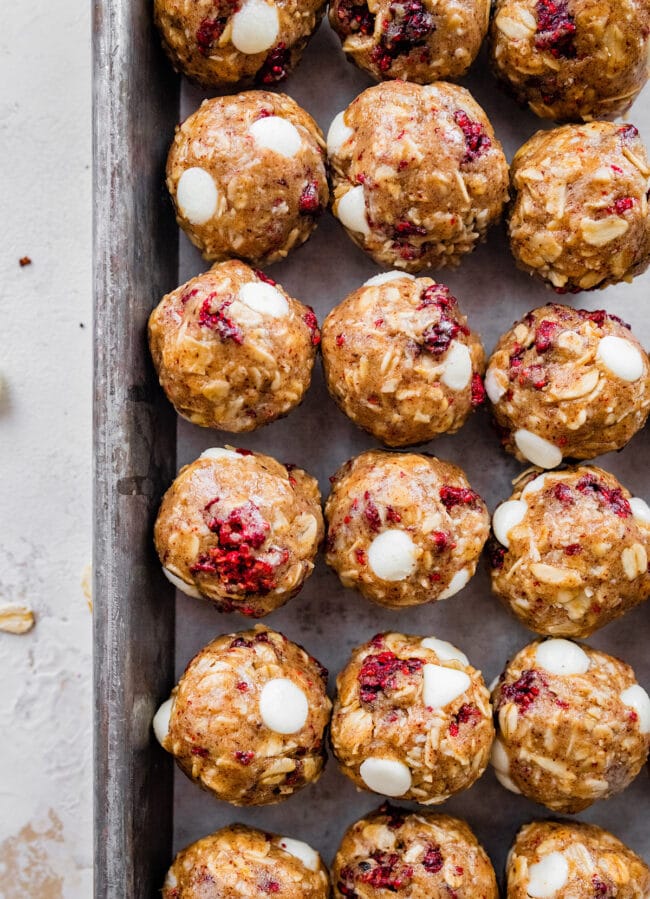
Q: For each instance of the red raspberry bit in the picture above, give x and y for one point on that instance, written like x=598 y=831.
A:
x=265 y=278
x=276 y=66
x=269 y=886
x=244 y=452
x=442 y=541
x=545 y=334
x=432 y=861
x=602 y=890
x=360 y=556
x=496 y=554
x=245 y=756
x=262 y=637
x=384 y=871
x=478 y=390
x=354 y=18
x=340 y=339
x=188 y=295
x=371 y=513
x=392 y=516
x=628 y=132
x=437 y=295
x=467 y=714
x=533 y=374
x=345 y=884
x=311 y=321
x=395 y=817
x=216 y=320
x=563 y=493
x=309 y=203
x=573 y=549
x=438 y=337
x=476 y=140
x=617 y=169
x=200 y=751
x=612 y=498
x=379 y=322
x=242 y=686
x=381 y=673
x=240 y=642
x=373 y=400
x=524 y=691
x=208 y=33
x=455 y=496
x=408 y=27
x=621 y=206
x=407 y=229
x=556 y=29
x=377 y=641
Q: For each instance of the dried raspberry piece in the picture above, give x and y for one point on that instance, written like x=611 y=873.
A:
x=392 y=516
x=387 y=873
x=533 y=374
x=602 y=890
x=381 y=672
x=405 y=228
x=526 y=690
x=208 y=33
x=545 y=334
x=244 y=524
x=556 y=29
x=611 y=497
x=244 y=756
x=276 y=66
x=495 y=553
x=265 y=278
x=628 y=132
x=360 y=556
x=442 y=541
x=311 y=321
x=340 y=339
x=239 y=642
x=478 y=390
x=438 y=337
x=395 y=817
x=371 y=513
x=476 y=140
x=599 y=317
x=309 y=203
x=432 y=861
x=217 y=320
x=562 y=493
x=200 y=751
x=456 y=496
x=269 y=886
x=409 y=26
x=354 y=18
x=621 y=206
x=573 y=549
x=437 y=295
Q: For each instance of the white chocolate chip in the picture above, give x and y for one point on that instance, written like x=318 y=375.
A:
x=457 y=367
x=548 y=876
x=443 y=685
x=392 y=555
x=180 y=584
x=506 y=517
x=161 y=720
x=338 y=134
x=640 y=509
x=506 y=781
x=263 y=298
x=283 y=706
x=197 y=195
x=620 y=357
x=537 y=450
x=277 y=134
x=255 y=27
x=493 y=387
x=351 y=210
x=636 y=697
x=445 y=651
x=385 y=277
x=562 y=657
x=308 y=856
x=500 y=761
x=534 y=486
x=386 y=776
x=220 y=452
x=456 y=584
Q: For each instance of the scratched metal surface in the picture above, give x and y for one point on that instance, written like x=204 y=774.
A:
x=325 y=618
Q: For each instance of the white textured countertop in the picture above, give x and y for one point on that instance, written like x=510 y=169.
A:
x=45 y=451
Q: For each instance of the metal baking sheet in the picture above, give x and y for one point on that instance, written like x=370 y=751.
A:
x=136 y=263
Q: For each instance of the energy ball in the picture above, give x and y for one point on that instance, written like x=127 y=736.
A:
x=573 y=725
x=568 y=383
x=422 y=856
x=579 y=219
x=418 y=174
x=232 y=349
x=247 y=176
x=221 y=43
x=247 y=718
x=404 y=528
x=242 y=861
x=415 y=40
x=571 y=551
x=401 y=361
x=564 y=860
x=572 y=60
x=239 y=529
x=411 y=718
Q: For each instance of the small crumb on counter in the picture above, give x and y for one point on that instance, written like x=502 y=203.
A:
x=24 y=260
x=87 y=585
x=16 y=618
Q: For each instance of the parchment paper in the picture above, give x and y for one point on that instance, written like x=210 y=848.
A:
x=329 y=620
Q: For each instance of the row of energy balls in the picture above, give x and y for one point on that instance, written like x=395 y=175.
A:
x=569 y=60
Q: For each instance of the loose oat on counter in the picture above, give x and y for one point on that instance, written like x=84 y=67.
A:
x=412 y=718
x=579 y=219
x=404 y=528
x=247 y=176
x=247 y=719
x=572 y=60
x=415 y=40
x=401 y=361
x=568 y=383
x=564 y=860
x=573 y=725
x=239 y=862
x=16 y=618
x=422 y=856
x=239 y=529
x=220 y=43
x=570 y=551
x=232 y=349
x=418 y=174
